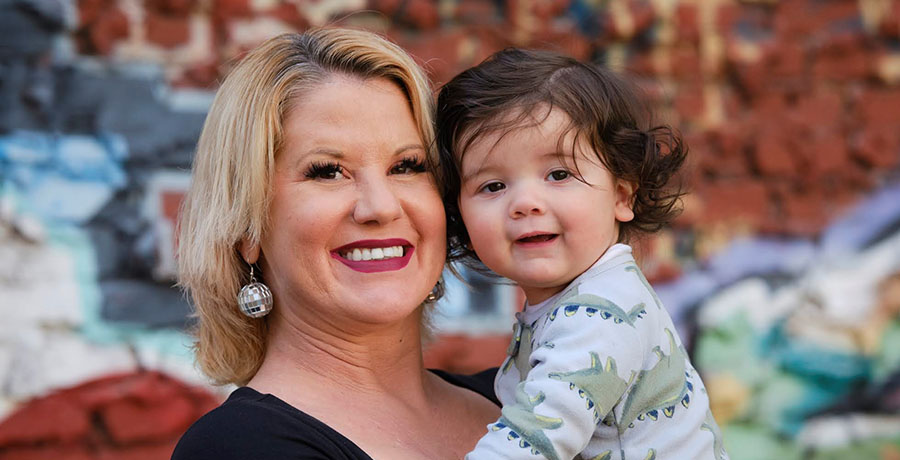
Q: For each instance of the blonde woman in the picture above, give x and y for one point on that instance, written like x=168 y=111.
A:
x=312 y=188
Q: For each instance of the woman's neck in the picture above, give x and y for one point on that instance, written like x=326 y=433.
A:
x=376 y=360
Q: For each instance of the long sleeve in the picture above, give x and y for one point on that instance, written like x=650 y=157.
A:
x=584 y=355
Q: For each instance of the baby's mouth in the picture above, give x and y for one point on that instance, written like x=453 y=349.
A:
x=539 y=238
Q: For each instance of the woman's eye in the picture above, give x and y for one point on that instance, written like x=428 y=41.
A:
x=559 y=175
x=493 y=187
x=328 y=171
x=409 y=166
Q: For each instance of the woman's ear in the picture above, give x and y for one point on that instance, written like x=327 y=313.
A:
x=624 y=200
x=249 y=250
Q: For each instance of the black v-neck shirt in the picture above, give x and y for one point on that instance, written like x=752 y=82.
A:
x=250 y=425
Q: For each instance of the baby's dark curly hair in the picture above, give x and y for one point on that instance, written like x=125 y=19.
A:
x=513 y=87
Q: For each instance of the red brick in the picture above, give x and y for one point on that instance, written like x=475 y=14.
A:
x=663 y=272
x=386 y=7
x=687 y=23
x=879 y=146
x=446 y=44
x=146 y=387
x=422 y=13
x=752 y=78
x=769 y=102
x=203 y=75
x=466 y=354
x=227 y=9
x=828 y=13
x=166 y=31
x=821 y=112
x=686 y=63
x=743 y=199
x=97 y=393
x=50 y=419
x=288 y=13
x=203 y=401
x=568 y=42
x=131 y=421
x=158 y=451
x=545 y=11
x=89 y=10
x=879 y=107
x=792 y=19
x=805 y=213
x=843 y=64
x=890 y=22
x=176 y=8
x=689 y=101
x=773 y=155
x=643 y=16
x=55 y=452
x=727 y=16
x=110 y=25
x=474 y=10
x=726 y=157
x=789 y=60
x=827 y=154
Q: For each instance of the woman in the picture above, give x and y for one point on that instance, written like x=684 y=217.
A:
x=312 y=175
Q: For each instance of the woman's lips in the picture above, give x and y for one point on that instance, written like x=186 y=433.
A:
x=384 y=255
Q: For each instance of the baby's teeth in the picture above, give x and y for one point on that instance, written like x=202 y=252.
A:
x=357 y=254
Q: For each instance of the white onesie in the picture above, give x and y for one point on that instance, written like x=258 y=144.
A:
x=598 y=372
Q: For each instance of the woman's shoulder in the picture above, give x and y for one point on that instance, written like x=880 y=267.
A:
x=250 y=424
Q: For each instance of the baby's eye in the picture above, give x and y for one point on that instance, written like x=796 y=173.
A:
x=493 y=187
x=327 y=171
x=559 y=175
x=409 y=166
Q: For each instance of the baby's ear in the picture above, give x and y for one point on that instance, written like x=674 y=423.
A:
x=624 y=200
x=249 y=250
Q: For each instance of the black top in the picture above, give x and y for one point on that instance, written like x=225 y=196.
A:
x=250 y=425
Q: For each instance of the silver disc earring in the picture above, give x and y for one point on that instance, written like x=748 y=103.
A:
x=435 y=293
x=255 y=299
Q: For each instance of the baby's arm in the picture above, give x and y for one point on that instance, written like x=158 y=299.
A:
x=582 y=363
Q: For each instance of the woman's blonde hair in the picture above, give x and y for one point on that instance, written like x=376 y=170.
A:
x=230 y=191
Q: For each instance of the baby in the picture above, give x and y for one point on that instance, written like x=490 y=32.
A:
x=549 y=164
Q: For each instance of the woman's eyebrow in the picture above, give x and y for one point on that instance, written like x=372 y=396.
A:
x=318 y=152
x=324 y=151
x=409 y=147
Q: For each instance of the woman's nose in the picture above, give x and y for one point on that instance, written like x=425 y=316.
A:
x=376 y=202
x=525 y=200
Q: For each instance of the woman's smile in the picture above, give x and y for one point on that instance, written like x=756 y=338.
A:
x=370 y=256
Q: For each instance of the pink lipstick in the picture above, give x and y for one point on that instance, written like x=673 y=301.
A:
x=386 y=249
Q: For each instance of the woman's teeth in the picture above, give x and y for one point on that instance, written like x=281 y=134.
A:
x=374 y=253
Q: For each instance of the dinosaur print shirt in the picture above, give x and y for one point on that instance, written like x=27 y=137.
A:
x=598 y=372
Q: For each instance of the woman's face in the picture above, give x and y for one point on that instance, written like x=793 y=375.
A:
x=356 y=225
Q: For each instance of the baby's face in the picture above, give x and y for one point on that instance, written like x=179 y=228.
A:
x=528 y=216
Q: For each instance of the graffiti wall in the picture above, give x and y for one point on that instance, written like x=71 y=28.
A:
x=783 y=274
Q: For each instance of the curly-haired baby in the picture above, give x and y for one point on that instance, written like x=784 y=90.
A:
x=549 y=165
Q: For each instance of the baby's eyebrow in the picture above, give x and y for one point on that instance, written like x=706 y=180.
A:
x=468 y=175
